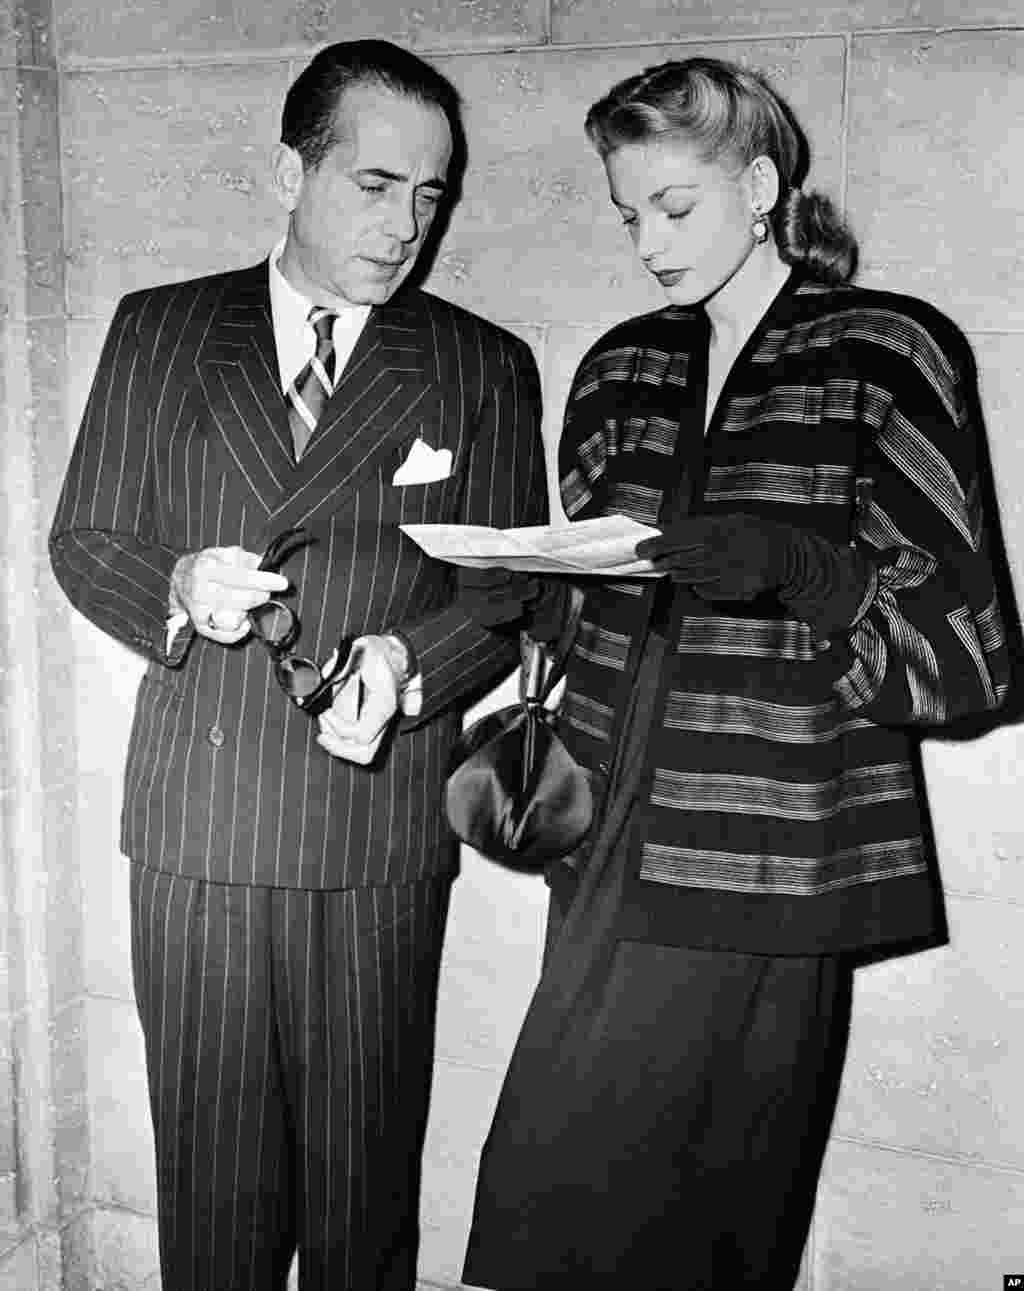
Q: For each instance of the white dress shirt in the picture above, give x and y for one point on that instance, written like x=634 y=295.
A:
x=293 y=332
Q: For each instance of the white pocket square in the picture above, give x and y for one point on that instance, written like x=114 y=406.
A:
x=424 y=464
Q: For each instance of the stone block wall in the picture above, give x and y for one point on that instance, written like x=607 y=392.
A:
x=134 y=141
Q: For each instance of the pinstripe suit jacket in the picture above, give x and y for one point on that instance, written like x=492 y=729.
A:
x=185 y=444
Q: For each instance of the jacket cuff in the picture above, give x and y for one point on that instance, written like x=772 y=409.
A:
x=834 y=589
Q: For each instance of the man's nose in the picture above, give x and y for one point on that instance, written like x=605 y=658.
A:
x=401 y=220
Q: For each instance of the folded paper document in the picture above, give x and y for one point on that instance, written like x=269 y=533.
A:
x=604 y=545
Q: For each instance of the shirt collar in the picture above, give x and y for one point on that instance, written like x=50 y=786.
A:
x=293 y=335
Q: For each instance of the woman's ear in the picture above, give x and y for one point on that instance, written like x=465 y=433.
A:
x=286 y=172
x=764 y=184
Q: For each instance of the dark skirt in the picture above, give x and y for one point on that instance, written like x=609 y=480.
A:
x=666 y=1109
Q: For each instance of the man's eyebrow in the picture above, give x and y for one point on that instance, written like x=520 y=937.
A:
x=396 y=177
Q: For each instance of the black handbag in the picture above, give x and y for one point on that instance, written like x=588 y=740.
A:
x=514 y=793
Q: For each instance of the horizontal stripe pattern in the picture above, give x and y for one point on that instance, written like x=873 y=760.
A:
x=819 y=485
x=778 y=875
x=601 y=646
x=637 y=502
x=885 y=329
x=759 y=718
x=724 y=634
x=781 y=765
x=762 y=796
x=587 y=715
x=648 y=366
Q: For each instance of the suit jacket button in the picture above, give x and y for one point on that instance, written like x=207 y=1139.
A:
x=216 y=736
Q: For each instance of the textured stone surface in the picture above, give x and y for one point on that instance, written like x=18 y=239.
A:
x=31 y=263
x=89 y=30
x=33 y=1264
x=84 y=340
x=35 y=1116
x=8 y=1139
x=49 y=1265
x=40 y=707
x=15 y=473
x=935 y=186
x=8 y=35
x=69 y=1093
x=31 y=354
x=42 y=252
x=64 y=894
x=982 y=849
x=890 y=1221
x=203 y=27
x=10 y=196
x=111 y=1250
x=19 y=1268
x=26 y=824
x=107 y=678
x=936 y=1058
x=122 y=1137
x=44 y=421
x=106 y=927
x=491 y=962
x=626 y=20
x=167 y=175
x=1001 y=367
x=26 y=33
x=536 y=237
x=462 y=1104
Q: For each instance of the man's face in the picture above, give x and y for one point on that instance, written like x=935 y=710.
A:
x=359 y=219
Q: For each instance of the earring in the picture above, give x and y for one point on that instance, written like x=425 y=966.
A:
x=759 y=228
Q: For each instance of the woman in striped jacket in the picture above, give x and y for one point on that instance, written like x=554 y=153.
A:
x=808 y=451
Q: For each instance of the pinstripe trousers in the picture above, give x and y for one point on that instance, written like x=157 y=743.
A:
x=289 y=1043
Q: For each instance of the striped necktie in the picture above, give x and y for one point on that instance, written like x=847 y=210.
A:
x=309 y=392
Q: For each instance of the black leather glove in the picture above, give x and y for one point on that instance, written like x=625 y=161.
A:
x=735 y=557
x=499 y=598
x=495 y=596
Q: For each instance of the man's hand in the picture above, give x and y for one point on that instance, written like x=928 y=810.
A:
x=216 y=587
x=364 y=705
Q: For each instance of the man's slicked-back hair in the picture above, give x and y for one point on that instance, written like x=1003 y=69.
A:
x=309 y=117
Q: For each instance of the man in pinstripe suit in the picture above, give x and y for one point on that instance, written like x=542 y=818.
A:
x=290 y=875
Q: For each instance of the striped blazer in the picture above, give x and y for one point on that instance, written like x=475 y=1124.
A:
x=185 y=444
x=783 y=808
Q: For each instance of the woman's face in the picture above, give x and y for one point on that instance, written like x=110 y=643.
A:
x=690 y=220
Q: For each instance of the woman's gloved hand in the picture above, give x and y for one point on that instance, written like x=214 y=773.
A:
x=735 y=557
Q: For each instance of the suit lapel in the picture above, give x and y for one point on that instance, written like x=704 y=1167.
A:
x=374 y=409
x=237 y=365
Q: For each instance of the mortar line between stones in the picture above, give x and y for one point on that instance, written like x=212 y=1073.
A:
x=922 y=1154
x=146 y=62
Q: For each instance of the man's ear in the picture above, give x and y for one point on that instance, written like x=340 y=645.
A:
x=287 y=172
x=764 y=184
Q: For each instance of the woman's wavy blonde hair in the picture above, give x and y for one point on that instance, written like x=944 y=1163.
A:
x=731 y=115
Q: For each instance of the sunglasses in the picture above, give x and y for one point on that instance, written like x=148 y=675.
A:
x=308 y=685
